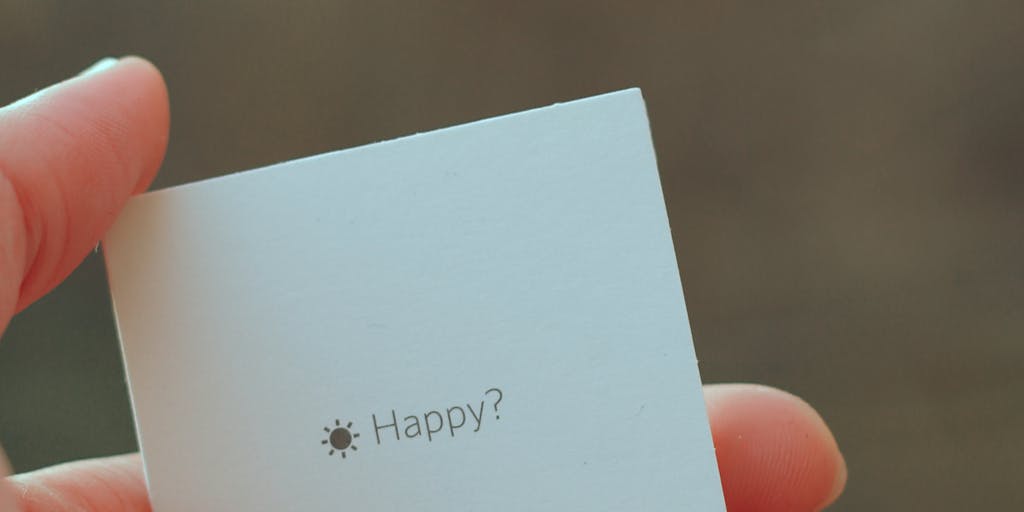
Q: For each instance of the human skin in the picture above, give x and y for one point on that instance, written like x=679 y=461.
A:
x=70 y=157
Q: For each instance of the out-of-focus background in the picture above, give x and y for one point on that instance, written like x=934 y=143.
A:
x=845 y=182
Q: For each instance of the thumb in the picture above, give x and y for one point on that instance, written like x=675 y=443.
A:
x=70 y=156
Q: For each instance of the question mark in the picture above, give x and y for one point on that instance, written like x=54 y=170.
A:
x=500 y=396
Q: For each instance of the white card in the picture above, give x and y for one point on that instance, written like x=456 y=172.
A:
x=487 y=317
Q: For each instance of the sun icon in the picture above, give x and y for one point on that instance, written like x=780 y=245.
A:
x=340 y=438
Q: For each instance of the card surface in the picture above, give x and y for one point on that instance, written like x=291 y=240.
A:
x=487 y=317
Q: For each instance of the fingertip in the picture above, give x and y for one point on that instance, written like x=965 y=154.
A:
x=775 y=453
x=133 y=91
x=151 y=112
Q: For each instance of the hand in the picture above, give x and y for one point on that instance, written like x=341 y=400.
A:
x=71 y=155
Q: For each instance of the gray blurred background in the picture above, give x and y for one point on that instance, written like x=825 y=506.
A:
x=844 y=182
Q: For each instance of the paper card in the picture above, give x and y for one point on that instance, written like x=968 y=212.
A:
x=482 y=318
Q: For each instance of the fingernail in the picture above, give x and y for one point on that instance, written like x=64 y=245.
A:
x=838 y=485
x=100 y=65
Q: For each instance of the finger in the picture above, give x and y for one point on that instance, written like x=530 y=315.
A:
x=114 y=484
x=70 y=156
x=774 y=452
